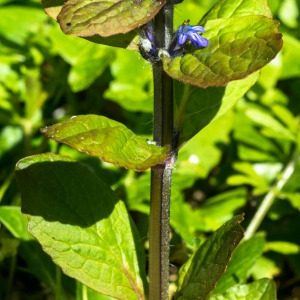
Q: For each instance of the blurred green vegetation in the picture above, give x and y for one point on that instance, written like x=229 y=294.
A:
x=226 y=169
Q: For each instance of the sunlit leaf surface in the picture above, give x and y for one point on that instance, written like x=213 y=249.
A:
x=239 y=267
x=238 y=8
x=109 y=140
x=81 y=224
x=201 y=273
x=237 y=47
x=54 y=7
x=195 y=108
x=96 y=17
x=263 y=289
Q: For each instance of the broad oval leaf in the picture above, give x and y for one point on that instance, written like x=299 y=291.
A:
x=106 y=18
x=81 y=224
x=237 y=47
x=128 y=40
x=195 y=108
x=109 y=140
x=201 y=273
x=237 y=8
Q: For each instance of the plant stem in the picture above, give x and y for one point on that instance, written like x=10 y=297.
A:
x=161 y=175
x=270 y=198
x=159 y=233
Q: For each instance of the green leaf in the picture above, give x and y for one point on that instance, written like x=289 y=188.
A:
x=289 y=13
x=259 y=175
x=272 y=127
x=81 y=224
x=286 y=117
x=97 y=17
x=131 y=97
x=285 y=248
x=237 y=47
x=237 y=8
x=127 y=40
x=184 y=220
x=201 y=273
x=91 y=294
x=15 y=222
x=263 y=289
x=253 y=146
x=87 y=60
x=109 y=140
x=239 y=267
x=290 y=57
x=268 y=80
x=191 y=162
x=34 y=98
x=293 y=198
x=38 y=262
x=131 y=90
x=11 y=22
x=220 y=208
x=88 y=67
x=207 y=217
x=265 y=267
x=53 y=8
x=195 y=108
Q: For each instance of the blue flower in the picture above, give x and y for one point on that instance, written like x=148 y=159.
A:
x=186 y=31
x=176 y=47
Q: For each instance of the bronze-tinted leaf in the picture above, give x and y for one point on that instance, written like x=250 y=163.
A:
x=106 y=18
x=107 y=139
x=237 y=47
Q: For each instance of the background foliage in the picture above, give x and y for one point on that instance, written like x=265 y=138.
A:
x=226 y=169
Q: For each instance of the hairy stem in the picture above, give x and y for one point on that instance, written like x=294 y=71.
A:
x=270 y=198
x=161 y=175
x=159 y=233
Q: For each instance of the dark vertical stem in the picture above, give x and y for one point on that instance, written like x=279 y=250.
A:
x=159 y=233
x=161 y=175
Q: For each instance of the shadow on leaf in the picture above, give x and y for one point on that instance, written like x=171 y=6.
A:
x=66 y=192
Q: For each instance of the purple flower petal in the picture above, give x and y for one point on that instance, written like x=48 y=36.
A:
x=182 y=38
x=180 y=29
x=204 y=42
x=197 y=40
x=197 y=29
x=184 y=32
